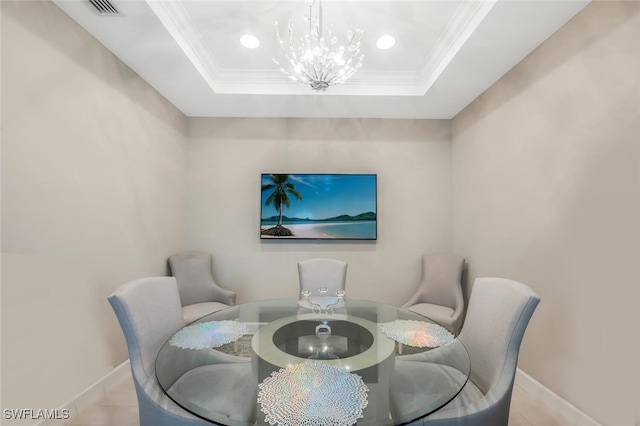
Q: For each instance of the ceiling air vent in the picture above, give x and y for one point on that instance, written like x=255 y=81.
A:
x=104 y=7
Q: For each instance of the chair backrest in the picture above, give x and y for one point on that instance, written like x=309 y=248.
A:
x=322 y=272
x=149 y=312
x=441 y=275
x=498 y=314
x=193 y=272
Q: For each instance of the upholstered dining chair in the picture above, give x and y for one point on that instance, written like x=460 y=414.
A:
x=439 y=294
x=322 y=272
x=199 y=293
x=149 y=312
x=498 y=314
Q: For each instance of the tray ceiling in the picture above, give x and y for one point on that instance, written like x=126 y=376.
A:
x=446 y=53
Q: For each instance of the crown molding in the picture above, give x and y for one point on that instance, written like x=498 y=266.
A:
x=462 y=25
x=176 y=20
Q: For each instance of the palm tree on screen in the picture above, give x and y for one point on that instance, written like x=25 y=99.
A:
x=282 y=189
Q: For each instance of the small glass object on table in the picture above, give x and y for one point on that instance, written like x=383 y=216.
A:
x=323 y=302
x=322 y=291
x=340 y=295
x=305 y=300
x=305 y=294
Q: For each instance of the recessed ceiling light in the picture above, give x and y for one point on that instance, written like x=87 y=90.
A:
x=386 y=42
x=249 y=41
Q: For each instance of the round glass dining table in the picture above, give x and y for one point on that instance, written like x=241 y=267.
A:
x=313 y=361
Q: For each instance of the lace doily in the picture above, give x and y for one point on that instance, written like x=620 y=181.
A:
x=208 y=334
x=419 y=334
x=321 y=302
x=312 y=394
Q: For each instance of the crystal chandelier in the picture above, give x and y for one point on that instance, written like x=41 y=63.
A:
x=319 y=60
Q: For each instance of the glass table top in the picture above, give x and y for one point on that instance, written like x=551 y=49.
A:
x=316 y=362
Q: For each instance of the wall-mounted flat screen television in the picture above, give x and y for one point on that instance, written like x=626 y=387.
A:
x=319 y=206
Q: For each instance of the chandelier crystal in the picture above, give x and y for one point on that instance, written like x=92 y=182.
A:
x=319 y=61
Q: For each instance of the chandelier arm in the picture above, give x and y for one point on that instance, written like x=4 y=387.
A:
x=328 y=72
x=292 y=50
x=310 y=79
x=357 y=33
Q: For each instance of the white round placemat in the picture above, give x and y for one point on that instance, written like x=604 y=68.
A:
x=419 y=334
x=312 y=393
x=208 y=334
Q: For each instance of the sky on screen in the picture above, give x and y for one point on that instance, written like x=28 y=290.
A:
x=325 y=196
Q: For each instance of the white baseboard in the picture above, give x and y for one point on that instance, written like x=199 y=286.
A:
x=552 y=400
x=93 y=393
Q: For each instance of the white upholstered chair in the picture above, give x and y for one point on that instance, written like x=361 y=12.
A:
x=498 y=315
x=322 y=272
x=439 y=294
x=149 y=312
x=199 y=293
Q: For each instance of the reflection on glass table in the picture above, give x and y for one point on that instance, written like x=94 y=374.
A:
x=276 y=362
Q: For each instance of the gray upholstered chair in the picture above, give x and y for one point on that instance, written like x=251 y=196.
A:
x=199 y=293
x=149 y=312
x=439 y=294
x=498 y=315
x=322 y=272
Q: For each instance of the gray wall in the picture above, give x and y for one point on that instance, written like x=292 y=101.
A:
x=546 y=191
x=92 y=196
x=412 y=159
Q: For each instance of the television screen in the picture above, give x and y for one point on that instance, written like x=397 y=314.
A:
x=319 y=206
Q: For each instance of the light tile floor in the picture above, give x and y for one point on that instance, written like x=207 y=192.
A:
x=119 y=408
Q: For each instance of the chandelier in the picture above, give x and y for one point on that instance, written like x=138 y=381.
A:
x=319 y=61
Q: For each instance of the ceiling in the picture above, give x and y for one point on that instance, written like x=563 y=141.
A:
x=447 y=52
